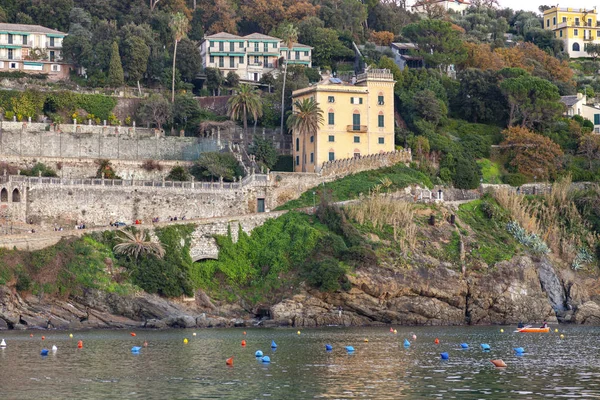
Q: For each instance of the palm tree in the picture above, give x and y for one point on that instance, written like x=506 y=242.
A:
x=180 y=26
x=245 y=101
x=133 y=244
x=305 y=119
x=289 y=35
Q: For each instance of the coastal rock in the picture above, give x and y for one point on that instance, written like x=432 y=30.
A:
x=588 y=313
x=180 y=321
x=155 y=324
x=3 y=325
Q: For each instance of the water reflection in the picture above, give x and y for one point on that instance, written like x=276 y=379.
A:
x=300 y=367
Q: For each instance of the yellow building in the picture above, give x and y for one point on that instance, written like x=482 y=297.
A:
x=359 y=120
x=576 y=27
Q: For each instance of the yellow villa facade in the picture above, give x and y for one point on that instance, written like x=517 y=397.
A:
x=359 y=120
x=576 y=27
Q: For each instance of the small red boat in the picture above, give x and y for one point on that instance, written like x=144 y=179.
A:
x=529 y=329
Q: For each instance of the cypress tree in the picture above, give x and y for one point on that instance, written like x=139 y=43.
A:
x=115 y=69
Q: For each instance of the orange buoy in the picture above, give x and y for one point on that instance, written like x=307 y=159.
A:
x=244 y=332
x=31 y=335
x=229 y=361
x=498 y=363
x=243 y=343
x=145 y=344
x=436 y=341
x=80 y=344
x=43 y=337
x=132 y=333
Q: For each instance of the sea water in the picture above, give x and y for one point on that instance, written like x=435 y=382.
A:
x=300 y=367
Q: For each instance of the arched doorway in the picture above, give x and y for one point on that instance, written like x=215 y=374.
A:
x=4 y=195
x=16 y=196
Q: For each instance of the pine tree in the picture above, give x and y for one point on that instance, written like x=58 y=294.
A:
x=115 y=69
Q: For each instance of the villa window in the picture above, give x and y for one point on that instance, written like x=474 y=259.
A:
x=231 y=62
x=380 y=123
x=381 y=140
x=231 y=46
x=356 y=139
x=241 y=59
x=331 y=156
x=312 y=139
x=297 y=144
x=380 y=100
x=212 y=44
x=331 y=118
x=221 y=46
x=312 y=158
x=575 y=46
x=330 y=99
x=331 y=138
x=212 y=59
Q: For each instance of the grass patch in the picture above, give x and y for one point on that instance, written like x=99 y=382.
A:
x=490 y=171
x=350 y=187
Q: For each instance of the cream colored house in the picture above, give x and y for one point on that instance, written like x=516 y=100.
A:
x=359 y=120
x=251 y=56
x=32 y=49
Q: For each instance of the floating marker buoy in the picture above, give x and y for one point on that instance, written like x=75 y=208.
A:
x=436 y=341
x=80 y=344
x=349 y=349
x=258 y=353
x=273 y=344
x=266 y=359
x=414 y=337
x=366 y=340
x=194 y=334
x=562 y=336
x=464 y=345
x=185 y=341
x=243 y=343
x=555 y=329
x=391 y=329
x=501 y=330
x=54 y=349
x=519 y=350
x=244 y=332
x=136 y=349
x=2 y=343
x=44 y=352
x=485 y=347
x=406 y=343
x=298 y=332
x=444 y=356
x=498 y=363
x=132 y=333
x=229 y=361
x=71 y=335
x=43 y=337
x=395 y=332
x=145 y=344
x=328 y=347
x=31 y=335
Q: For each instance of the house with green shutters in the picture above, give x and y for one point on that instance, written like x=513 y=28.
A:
x=251 y=56
x=32 y=49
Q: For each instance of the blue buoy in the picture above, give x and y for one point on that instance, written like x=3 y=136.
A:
x=135 y=349
x=464 y=345
x=266 y=359
x=485 y=347
x=258 y=353
x=328 y=347
x=273 y=344
x=350 y=349
x=519 y=350
x=444 y=356
x=406 y=343
x=44 y=352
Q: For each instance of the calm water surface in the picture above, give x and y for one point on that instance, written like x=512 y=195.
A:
x=301 y=368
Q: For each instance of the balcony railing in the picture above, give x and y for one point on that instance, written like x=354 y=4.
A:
x=356 y=128
x=52 y=45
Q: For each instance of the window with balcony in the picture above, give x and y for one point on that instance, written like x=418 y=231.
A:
x=380 y=120
x=331 y=156
x=356 y=139
x=306 y=54
x=10 y=39
x=331 y=138
x=256 y=47
x=266 y=47
x=212 y=59
x=11 y=54
x=256 y=60
x=221 y=46
x=25 y=40
x=51 y=42
x=589 y=22
x=564 y=19
x=331 y=118
x=381 y=140
x=330 y=99
x=356 y=122
x=241 y=59
x=576 y=21
x=297 y=55
x=575 y=32
x=52 y=55
x=265 y=61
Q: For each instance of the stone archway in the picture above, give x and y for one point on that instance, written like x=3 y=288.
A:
x=16 y=196
x=4 y=195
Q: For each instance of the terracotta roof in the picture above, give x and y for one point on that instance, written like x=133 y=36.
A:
x=295 y=45
x=28 y=29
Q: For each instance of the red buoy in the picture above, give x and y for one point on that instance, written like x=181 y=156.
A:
x=80 y=344
x=229 y=361
x=498 y=363
x=132 y=333
x=244 y=332
x=243 y=343
x=436 y=341
x=145 y=344
x=43 y=337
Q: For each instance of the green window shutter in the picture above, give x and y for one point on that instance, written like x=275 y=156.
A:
x=360 y=100
x=331 y=118
x=331 y=156
x=356 y=120
x=596 y=119
x=356 y=139
x=331 y=138
x=380 y=121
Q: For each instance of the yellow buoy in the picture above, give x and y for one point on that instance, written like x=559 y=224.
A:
x=395 y=332
x=71 y=335
x=501 y=330
x=194 y=334
x=562 y=336
x=185 y=341
x=298 y=332
x=366 y=340
x=555 y=329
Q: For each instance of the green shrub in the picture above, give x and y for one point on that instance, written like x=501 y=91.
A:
x=285 y=163
x=515 y=179
x=327 y=275
x=23 y=281
x=39 y=168
x=179 y=174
